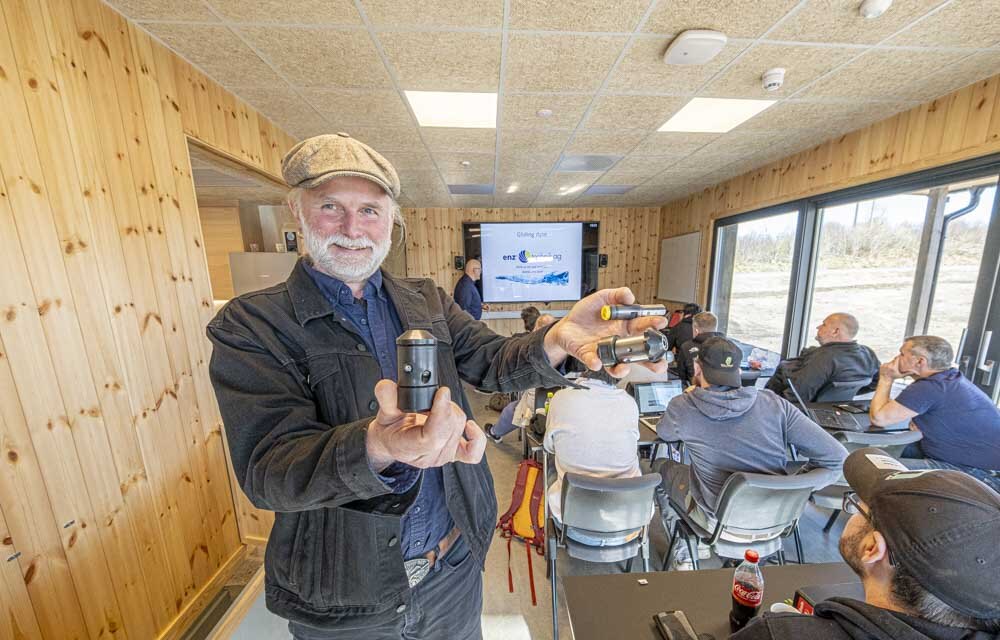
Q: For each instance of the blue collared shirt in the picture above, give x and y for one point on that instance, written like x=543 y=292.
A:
x=467 y=296
x=375 y=320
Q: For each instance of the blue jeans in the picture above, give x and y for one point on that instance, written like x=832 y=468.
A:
x=989 y=478
x=505 y=423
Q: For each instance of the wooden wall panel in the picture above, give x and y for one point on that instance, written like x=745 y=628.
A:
x=958 y=126
x=116 y=503
x=223 y=234
x=630 y=237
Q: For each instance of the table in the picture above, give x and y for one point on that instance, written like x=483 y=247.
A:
x=617 y=606
x=862 y=418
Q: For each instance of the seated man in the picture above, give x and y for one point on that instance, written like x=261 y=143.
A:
x=838 y=357
x=704 y=325
x=529 y=316
x=960 y=424
x=727 y=429
x=519 y=412
x=925 y=547
x=592 y=431
x=683 y=330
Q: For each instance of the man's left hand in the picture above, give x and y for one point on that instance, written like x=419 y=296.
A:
x=890 y=370
x=578 y=333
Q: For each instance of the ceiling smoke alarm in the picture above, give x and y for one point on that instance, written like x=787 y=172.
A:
x=696 y=46
x=773 y=79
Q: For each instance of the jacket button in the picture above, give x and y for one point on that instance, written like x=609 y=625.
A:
x=373 y=405
x=401 y=608
x=362 y=347
x=392 y=541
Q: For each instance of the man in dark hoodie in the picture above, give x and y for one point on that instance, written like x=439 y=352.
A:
x=925 y=545
x=728 y=429
x=704 y=325
x=838 y=357
x=683 y=330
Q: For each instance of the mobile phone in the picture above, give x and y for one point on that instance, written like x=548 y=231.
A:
x=674 y=625
x=850 y=408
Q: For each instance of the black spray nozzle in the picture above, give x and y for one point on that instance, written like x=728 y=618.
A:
x=630 y=311
x=416 y=370
x=650 y=346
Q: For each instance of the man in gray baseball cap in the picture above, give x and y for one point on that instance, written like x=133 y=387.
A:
x=383 y=517
x=926 y=545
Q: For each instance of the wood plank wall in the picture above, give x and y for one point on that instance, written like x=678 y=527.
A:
x=223 y=235
x=961 y=125
x=116 y=507
x=630 y=237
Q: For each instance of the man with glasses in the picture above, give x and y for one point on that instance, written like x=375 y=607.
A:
x=926 y=545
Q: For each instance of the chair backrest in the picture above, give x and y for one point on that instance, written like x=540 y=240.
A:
x=892 y=443
x=608 y=505
x=748 y=377
x=763 y=506
x=841 y=390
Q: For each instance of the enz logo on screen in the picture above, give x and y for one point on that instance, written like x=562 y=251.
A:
x=526 y=256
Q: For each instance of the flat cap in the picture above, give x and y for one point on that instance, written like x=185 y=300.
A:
x=315 y=160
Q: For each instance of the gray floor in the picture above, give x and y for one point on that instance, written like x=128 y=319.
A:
x=511 y=616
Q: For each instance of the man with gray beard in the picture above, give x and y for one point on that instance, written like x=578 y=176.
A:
x=383 y=517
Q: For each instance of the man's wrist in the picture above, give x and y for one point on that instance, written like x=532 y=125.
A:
x=378 y=457
x=553 y=350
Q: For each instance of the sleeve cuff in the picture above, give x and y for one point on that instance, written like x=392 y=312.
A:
x=399 y=477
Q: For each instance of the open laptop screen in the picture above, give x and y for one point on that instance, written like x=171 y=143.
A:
x=652 y=397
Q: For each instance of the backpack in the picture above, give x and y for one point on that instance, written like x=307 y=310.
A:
x=525 y=519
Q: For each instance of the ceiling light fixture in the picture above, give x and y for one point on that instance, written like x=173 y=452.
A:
x=465 y=163
x=544 y=113
x=565 y=191
x=871 y=9
x=714 y=115
x=454 y=109
x=695 y=46
x=513 y=187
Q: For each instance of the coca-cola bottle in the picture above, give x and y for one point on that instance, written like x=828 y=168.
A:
x=748 y=591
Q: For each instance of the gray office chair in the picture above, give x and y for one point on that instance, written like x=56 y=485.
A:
x=832 y=496
x=764 y=508
x=841 y=390
x=605 y=509
x=748 y=377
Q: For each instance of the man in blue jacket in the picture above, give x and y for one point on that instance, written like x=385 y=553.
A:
x=466 y=294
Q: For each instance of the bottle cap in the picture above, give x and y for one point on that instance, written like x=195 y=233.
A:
x=606 y=312
x=751 y=556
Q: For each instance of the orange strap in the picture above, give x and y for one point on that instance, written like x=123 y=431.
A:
x=531 y=575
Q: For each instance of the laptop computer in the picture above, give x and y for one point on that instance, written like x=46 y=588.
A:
x=652 y=398
x=828 y=418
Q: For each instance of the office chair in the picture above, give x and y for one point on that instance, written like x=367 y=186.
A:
x=748 y=377
x=841 y=390
x=832 y=496
x=759 y=507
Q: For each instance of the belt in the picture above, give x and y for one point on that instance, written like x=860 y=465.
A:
x=419 y=568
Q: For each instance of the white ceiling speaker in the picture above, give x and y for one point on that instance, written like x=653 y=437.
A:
x=871 y=9
x=696 y=46
x=773 y=79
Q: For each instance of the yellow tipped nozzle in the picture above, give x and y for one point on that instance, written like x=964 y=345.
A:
x=606 y=312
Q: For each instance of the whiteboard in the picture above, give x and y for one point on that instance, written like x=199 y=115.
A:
x=679 y=257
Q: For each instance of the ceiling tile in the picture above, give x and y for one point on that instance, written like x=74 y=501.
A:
x=314 y=12
x=559 y=183
x=219 y=52
x=839 y=21
x=305 y=125
x=320 y=57
x=735 y=18
x=514 y=201
x=479 y=171
x=964 y=72
x=275 y=102
x=345 y=107
x=643 y=69
x=626 y=177
x=882 y=73
x=539 y=142
x=802 y=65
x=601 y=142
x=527 y=182
x=409 y=160
x=559 y=62
x=435 y=13
x=415 y=180
x=577 y=15
x=663 y=143
x=519 y=165
x=482 y=202
x=735 y=144
x=649 y=165
x=389 y=138
x=437 y=61
x=965 y=23
x=632 y=112
x=521 y=111
x=182 y=10
x=465 y=140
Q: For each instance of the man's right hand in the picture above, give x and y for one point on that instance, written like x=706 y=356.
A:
x=420 y=440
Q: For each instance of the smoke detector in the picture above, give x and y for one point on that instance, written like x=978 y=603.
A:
x=773 y=79
x=872 y=9
x=696 y=46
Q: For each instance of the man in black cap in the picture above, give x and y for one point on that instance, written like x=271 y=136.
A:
x=926 y=545
x=727 y=429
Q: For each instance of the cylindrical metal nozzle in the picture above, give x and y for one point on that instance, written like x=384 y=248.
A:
x=650 y=346
x=416 y=370
x=630 y=311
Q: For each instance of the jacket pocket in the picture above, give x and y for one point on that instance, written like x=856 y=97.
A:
x=349 y=562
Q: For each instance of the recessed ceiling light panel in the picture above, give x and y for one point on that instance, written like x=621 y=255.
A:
x=714 y=115
x=454 y=109
x=586 y=163
x=470 y=189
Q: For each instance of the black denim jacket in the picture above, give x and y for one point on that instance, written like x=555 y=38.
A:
x=296 y=390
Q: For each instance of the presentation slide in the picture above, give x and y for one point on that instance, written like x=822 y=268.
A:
x=532 y=262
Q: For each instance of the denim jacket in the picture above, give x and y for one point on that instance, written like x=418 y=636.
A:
x=295 y=387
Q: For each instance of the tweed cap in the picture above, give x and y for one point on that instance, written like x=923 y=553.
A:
x=315 y=160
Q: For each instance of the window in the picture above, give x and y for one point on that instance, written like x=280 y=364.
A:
x=866 y=259
x=753 y=275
